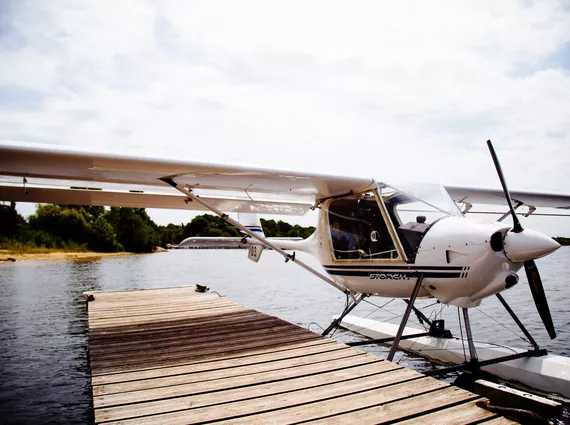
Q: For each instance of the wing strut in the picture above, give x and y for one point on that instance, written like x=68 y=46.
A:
x=405 y=318
x=256 y=236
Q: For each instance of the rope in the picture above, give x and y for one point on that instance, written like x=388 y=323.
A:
x=497 y=345
x=316 y=324
x=394 y=315
x=507 y=328
x=337 y=327
x=486 y=404
x=372 y=312
x=425 y=328
x=379 y=306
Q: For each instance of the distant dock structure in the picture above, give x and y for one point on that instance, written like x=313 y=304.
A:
x=173 y=355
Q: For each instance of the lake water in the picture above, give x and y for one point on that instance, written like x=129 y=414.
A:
x=44 y=374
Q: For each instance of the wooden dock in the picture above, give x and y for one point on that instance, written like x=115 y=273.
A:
x=175 y=356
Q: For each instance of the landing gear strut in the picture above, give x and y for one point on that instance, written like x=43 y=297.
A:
x=405 y=318
x=473 y=360
x=354 y=301
x=475 y=365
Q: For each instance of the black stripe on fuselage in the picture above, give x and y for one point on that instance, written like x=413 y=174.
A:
x=402 y=267
x=410 y=274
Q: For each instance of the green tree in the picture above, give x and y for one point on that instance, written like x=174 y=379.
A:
x=103 y=237
x=270 y=228
x=209 y=225
x=135 y=231
x=196 y=227
x=284 y=228
x=11 y=223
x=63 y=223
x=94 y=211
x=273 y=228
x=117 y=229
x=171 y=234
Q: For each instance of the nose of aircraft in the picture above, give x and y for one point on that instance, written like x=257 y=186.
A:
x=528 y=245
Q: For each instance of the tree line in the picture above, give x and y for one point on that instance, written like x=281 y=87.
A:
x=93 y=228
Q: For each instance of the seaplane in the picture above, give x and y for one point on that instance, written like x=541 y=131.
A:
x=373 y=238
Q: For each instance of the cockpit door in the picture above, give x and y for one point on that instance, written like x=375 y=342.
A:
x=361 y=230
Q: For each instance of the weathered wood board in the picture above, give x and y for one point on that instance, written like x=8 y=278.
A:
x=176 y=356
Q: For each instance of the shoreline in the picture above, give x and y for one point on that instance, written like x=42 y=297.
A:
x=9 y=256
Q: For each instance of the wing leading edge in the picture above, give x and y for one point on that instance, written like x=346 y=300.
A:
x=66 y=175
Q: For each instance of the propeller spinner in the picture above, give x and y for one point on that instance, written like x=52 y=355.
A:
x=527 y=245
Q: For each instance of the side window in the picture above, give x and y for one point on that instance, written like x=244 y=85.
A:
x=358 y=230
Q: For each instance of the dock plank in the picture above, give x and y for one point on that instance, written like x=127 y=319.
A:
x=166 y=316
x=230 y=382
x=179 y=353
x=159 y=308
x=407 y=406
x=210 y=375
x=273 y=343
x=134 y=331
x=173 y=341
x=342 y=377
x=173 y=355
x=133 y=342
x=500 y=421
x=300 y=405
x=462 y=414
x=202 y=364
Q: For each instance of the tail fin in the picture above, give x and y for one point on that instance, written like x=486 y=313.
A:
x=253 y=224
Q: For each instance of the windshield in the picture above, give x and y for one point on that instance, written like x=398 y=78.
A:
x=413 y=208
x=430 y=199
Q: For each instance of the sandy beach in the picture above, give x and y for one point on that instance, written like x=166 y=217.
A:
x=9 y=255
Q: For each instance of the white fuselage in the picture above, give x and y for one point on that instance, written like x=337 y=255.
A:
x=458 y=265
x=456 y=258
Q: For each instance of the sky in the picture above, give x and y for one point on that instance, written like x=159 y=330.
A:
x=406 y=90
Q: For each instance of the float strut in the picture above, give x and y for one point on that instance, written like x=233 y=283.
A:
x=353 y=303
x=472 y=352
x=405 y=318
x=518 y=322
x=421 y=317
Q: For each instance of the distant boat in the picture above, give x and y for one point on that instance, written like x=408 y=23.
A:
x=217 y=242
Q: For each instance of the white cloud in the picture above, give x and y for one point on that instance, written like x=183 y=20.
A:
x=397 y=90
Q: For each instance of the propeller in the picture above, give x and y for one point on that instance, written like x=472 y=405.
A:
x=534 y=280
x=517 y=228
x=537 y=291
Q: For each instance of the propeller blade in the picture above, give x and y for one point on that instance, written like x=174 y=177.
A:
x=517 y=228
x=539 y=296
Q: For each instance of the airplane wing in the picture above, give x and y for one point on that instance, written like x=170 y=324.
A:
x=65 y=175
x=57 y=174
x=497 y=197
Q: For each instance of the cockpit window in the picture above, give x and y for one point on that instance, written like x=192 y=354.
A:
x=415 y=209
x=358 y=229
